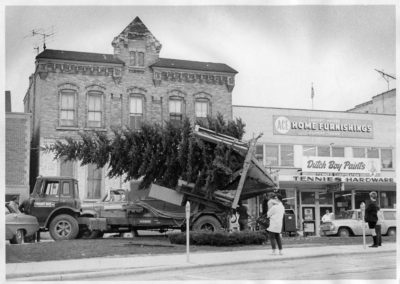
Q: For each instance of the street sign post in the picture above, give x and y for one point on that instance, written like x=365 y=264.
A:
x=362 y=207
x=187 y=229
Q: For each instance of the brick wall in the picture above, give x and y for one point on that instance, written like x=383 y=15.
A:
x=18 y=138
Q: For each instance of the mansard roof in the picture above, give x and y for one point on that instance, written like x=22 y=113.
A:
x=193 y=65
x=79 y=56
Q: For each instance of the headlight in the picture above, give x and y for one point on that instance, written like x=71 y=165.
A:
x=332 y=227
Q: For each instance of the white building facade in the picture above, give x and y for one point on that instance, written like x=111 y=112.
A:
x=324 y=159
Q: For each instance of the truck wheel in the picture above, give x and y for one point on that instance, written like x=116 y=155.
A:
x=64 y=227
x=18 y=237
x=343 y=232
x=207 y=223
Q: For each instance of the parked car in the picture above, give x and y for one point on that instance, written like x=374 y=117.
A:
x=350 y=223
x=19 y=226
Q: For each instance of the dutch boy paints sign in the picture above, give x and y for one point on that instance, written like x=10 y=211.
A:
x=371 y=167
x=314 y=126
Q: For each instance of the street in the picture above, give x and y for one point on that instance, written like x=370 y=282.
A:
x=359 y=266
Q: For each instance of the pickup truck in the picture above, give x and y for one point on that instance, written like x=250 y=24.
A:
x=350 y=223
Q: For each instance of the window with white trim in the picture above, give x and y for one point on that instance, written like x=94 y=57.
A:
x=201 y=108
x=271 y=155
x=135 y=112
x=175 y=109
x=95 y=109
x=67 y=108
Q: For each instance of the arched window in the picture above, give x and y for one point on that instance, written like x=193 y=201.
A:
x=136 y=111
x=94 y=109
x=67 y=107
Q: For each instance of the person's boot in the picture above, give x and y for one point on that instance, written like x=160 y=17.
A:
x=375 y=244
x=380 y=241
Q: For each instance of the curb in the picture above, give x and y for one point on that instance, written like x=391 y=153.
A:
x=82 y=275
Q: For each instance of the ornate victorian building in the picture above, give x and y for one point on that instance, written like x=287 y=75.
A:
x=76 y=91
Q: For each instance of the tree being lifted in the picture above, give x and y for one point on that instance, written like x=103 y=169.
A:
x=159 y=154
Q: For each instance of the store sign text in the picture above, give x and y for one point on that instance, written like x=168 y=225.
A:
x=342 y=179
x=341 y=165
x=313 y=126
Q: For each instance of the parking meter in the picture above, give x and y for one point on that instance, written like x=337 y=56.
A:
x=362 y=207
x=187 y=209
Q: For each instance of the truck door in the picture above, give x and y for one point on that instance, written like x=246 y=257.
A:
x=67 y=194
x=46 y=201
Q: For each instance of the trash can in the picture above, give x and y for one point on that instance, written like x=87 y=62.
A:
x=289 y=222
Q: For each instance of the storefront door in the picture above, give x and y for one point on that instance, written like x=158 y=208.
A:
x=313 y=205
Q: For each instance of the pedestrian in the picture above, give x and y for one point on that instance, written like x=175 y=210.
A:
x=378 y=228
x=275 y=214
x=371 y=216
x=243 y=217
x=14 y=204
x=327 y=217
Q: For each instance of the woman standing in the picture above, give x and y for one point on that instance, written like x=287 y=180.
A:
x=275 y=214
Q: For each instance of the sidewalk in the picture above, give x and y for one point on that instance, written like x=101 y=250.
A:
x=80 y=269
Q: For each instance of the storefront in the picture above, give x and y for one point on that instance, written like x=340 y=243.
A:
x=324 y=160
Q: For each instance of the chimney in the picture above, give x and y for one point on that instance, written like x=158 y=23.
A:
x=8 y=101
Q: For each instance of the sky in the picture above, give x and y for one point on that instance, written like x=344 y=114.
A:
x=279 y=51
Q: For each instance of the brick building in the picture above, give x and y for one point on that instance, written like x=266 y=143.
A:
x=18 y=139
x=77 y=91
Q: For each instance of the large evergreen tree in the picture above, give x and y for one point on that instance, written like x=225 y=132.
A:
x=159 y=154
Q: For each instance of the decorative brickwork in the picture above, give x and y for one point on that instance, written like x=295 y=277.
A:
x=134 y=69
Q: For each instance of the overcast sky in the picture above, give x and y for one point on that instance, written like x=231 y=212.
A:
x=277 y=50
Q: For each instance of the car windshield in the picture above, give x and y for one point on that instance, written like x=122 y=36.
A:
x=345 y=215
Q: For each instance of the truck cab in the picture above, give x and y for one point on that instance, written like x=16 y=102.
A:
x=55 y=203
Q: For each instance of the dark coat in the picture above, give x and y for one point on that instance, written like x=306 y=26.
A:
x=371 y=211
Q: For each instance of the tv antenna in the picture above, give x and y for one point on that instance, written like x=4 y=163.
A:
x=43 y=34
x=386 y=77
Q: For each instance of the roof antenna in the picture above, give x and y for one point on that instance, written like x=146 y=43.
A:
x=386 y=77
x=44 y=35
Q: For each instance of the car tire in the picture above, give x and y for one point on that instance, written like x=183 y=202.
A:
x=344 y=233
x=64 y=227
x=391 y=232
x=207 y=223
x=18 y=238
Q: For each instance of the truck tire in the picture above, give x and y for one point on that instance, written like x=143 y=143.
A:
x=207 y=223
x=344 y=233
x=18 y=237
x=64 y=227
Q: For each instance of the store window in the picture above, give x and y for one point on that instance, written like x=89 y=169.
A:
x=325 y=198
x=271 y=155
x=260 y=153
x=324 y=151
x=337 y=151
x=308 y=198
x=287 y=155
x=373 y=153
x=94 y=180
x=342 y=203
x=358 y=152
x=309 y=150
x=136 y=112
x=387 y=158
x=387 y=199
x=67 y=108
x=94 y=115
